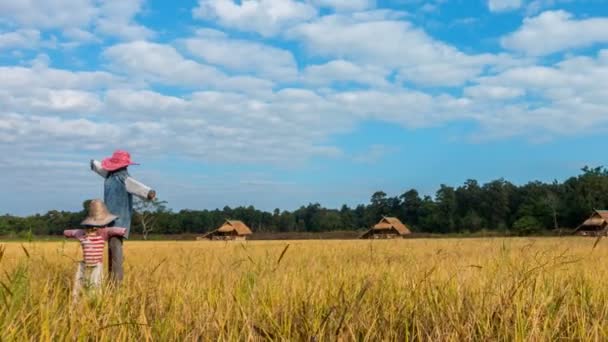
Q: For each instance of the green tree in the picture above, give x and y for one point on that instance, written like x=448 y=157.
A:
x=330 y=220
x=527 y=225
x=446 y=209
x=496 y=206
x=411 y=204
x=469 y=198
x=347 y=217
x=378 y=207
x=429 y=216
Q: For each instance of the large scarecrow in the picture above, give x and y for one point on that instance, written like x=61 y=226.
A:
x=119 y=188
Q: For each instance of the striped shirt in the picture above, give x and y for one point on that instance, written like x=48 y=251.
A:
x=93 y=245
x=92 y=249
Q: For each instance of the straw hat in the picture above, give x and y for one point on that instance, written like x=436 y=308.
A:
x=98 y=215
x=118 y=160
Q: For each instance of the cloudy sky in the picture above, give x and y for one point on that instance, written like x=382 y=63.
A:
x=277 y=103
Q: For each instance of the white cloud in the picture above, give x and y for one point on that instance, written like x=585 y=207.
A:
x=22 y=79
x=267 y=17
x=132 y=103
x=567 y=98
x=116 y=19
x=41 y=131
x=211 y=125
x=163 y=64
x=442 y=73
x=406 y=107
x=49 y=14
x=39 y=107
x=157 y=63
x=20 y=39
x=345 y=5
x=503 y=5
x=583 y=74
x=243 y=56
x=537 y=6
x=43 y=101
x=80 y=36
x=220 y=126
x=43 y=91
x=344 y=71
x=555 y=31
x=376 y=38
x=244 y=118
x=66 y=101
x=77 y=18
x=41 y=61
x=493 y=93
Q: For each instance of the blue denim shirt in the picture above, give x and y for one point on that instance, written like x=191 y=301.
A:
x=118 y=200
x=119 y=188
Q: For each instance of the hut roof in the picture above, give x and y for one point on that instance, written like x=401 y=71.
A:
x=229 y=226
x=234 y=225
x=390 y=223
x=603 y=214
x=598 y=218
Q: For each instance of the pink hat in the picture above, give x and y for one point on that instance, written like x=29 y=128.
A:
x=118 y=160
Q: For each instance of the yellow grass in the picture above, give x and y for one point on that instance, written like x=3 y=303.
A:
x=453 y=289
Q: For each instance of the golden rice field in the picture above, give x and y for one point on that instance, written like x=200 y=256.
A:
x=428 y=289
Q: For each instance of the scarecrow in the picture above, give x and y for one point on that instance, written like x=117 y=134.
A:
x=119 y=188
x=92 y=239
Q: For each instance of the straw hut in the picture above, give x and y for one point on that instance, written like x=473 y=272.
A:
x=595 y=225
x=387 y=228
x=230 y=230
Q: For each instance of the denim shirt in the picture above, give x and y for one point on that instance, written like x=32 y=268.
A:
x=118 y=200
x=118 y=191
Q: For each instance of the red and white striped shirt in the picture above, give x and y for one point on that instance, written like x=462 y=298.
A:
x=93 y=245
x=92 y=249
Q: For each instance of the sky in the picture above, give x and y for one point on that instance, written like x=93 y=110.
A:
x=279 y=103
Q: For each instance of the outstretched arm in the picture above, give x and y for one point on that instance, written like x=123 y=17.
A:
x=73 y=233
x=107 y=233
x=139 y=189
x=96 y=167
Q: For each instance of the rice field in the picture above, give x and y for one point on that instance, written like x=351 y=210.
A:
x=424 y=289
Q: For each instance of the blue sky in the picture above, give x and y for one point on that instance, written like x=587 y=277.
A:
x=278 y=103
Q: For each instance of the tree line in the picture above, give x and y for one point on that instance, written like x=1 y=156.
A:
x=498 y=205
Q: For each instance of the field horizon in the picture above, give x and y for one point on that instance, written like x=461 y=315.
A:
x=302 y=236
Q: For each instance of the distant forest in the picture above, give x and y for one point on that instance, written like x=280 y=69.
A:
x=497 y=206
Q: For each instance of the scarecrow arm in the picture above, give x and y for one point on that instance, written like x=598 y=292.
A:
x=96 y=166
x=139 y=189
x=107 y=233
x=73 y=233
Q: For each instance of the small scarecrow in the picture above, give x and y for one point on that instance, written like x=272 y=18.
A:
x=89 y=272
x=119 y=188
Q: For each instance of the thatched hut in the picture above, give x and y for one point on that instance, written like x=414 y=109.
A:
x=595 y=225
x=230 y=230
x=387 y=228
